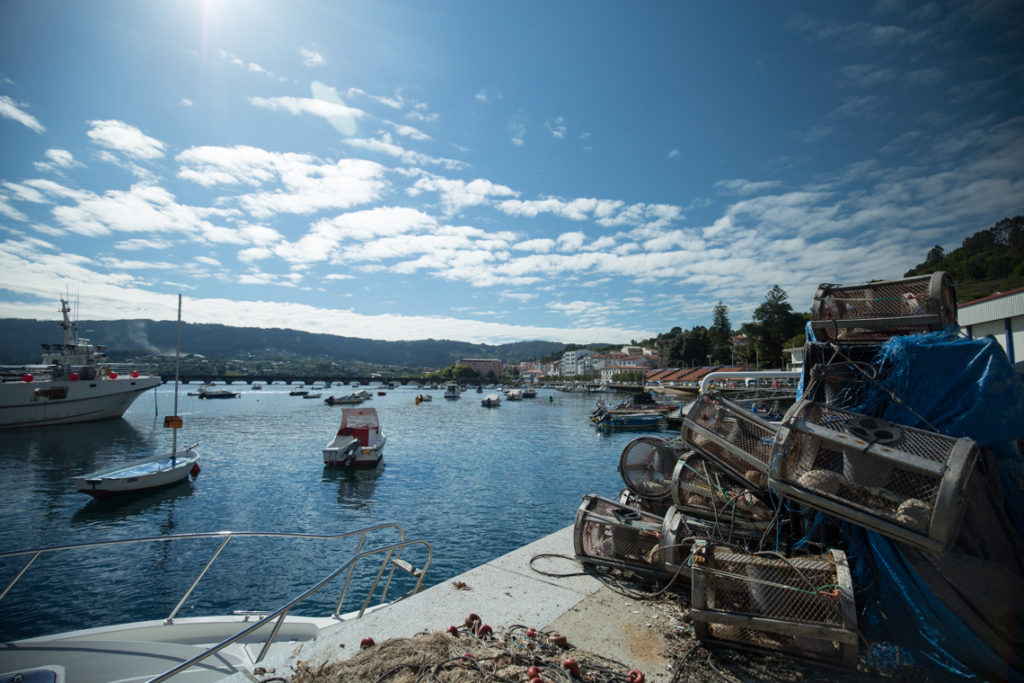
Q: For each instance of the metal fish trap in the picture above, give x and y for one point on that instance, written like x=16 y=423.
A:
x=875 y=311
x=646 y=466
x=609 y=534
x=682 y=532
x=703 y=489
x=732 y=436
x=905 y=483
x=655 y=507
x=800 y=606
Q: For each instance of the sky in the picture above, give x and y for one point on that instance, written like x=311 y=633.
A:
x=580 y=172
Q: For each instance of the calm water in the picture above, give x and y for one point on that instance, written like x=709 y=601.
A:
x=474 y=482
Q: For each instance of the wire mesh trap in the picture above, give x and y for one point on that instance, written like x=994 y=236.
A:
x=703 y=489
x=905 y=483
x=732 y=436
x=681 y=533
x=646 y=466
x=612 y=535
x=875 y=311
x=800 y=606
x=655 y=507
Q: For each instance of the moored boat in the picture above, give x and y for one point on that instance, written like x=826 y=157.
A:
x=73 y=383
x=344 y=400
x=359 y=441
x=208 y=391
x=150 y=473
x=451 y=390
x=142 y=475
x=490 y=401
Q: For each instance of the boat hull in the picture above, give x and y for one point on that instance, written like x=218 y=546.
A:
x=53 y=402
x=144 y=475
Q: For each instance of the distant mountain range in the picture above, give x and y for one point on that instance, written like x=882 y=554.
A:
x=20 y=341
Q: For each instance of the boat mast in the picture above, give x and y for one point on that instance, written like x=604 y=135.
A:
x=69 y=327
x=177 y=360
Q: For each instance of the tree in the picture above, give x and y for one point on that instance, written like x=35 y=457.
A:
x=775 y=323
x=720 y=334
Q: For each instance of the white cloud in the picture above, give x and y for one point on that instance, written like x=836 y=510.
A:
x=185 y=102
x=308 y=105
x=458 y=194
x=126 y=138
x=517 y=129
x=384 y=145
x=10 y=109
x=308 y=184
x=312 y=58
x=556 y=127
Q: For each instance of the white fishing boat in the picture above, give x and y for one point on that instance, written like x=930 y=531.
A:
x=204 y=647
x=514 y=395
x=359 y=441
x=73 y=383
x=490 y=401
x=451 y=390
x=150 y=473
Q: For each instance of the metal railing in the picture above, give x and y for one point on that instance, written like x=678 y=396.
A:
x=391 y=557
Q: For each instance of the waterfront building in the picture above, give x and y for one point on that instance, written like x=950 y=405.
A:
x=1001 y=316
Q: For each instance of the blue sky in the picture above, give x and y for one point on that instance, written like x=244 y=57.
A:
x=492 y=172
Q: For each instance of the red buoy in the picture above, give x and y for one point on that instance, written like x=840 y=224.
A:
x=73 y=376
x=113 y=375
x=27 y=377
x=134 y=374
x=195 y=470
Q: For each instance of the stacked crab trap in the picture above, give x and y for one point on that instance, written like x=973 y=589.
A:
x=703 y=507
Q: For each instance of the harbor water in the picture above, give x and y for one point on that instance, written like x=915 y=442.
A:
x=474 y=482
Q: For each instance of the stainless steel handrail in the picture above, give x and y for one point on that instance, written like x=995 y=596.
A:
x=35 y=553
x=282 y=612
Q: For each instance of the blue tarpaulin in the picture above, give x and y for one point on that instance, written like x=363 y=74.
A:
x=961 y=616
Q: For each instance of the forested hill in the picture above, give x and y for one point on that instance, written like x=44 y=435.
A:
x=988 y=261
x=20 y=340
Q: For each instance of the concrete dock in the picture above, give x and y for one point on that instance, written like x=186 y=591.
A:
x=505 y=592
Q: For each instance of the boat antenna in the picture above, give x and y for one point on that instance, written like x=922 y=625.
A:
x=177 y=361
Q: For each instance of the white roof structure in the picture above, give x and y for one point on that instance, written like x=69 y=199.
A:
x=1000 y=316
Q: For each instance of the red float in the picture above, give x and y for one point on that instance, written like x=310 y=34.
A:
x=26 y=377
x=73 y=377
x=113 y=375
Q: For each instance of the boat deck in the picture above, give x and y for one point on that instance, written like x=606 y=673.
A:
x=505 y=592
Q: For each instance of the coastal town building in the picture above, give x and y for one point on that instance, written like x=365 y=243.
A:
x=573 y=362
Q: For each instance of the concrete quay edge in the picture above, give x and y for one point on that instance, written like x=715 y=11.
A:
x=504 y=592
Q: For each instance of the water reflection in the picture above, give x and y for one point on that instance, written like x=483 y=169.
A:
x=356 y=486
x=159 y=504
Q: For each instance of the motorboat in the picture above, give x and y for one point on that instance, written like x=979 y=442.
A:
x=490 y=401
x=150 y=473
x=310 y=394
x=73 y=383
x=529 y=392
x=209 y=391
x=629 y=420
x=451 y=390
x=257 y=387
x=359 y=441
x=204 y=647
x=345 y=399
x=514 y=395
x=420 y=398
x=298 y=392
